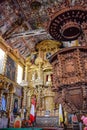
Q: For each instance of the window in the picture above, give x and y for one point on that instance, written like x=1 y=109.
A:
x=19 y=74
x=2 y=57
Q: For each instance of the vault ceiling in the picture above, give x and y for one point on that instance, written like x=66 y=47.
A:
x=23 y=23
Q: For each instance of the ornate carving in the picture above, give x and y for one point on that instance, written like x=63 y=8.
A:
x=72 y=84
x=66 y=23
x=47 y=122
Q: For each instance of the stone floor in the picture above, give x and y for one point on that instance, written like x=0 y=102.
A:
x=50 y=128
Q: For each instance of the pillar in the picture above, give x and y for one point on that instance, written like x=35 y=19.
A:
x=11 y=101
x=25 y=97
x=0 y=99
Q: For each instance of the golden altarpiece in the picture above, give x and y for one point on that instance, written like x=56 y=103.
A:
x=39 y=76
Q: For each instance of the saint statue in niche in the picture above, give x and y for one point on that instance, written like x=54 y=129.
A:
x=15 y=106
x=48 y=55
x=3 y=108
x=32 y=58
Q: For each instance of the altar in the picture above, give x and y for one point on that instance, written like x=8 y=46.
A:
x=50 y=121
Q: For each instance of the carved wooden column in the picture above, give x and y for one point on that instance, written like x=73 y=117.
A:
x=26 y=72
x=11 y=101
x=19 y=103
x=11 y=94
x=24 y=84
x=8 y=101
x=43 y=101
x=0 y=99
x=25 y=96
x=28 y=99
x=84 y=91
x=39 y=102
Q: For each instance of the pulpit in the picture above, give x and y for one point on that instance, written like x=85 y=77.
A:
x=70 y=78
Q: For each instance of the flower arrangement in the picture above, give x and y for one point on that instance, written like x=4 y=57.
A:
x=84 y=119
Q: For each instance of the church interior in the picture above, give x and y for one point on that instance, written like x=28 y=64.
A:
x=43 y=64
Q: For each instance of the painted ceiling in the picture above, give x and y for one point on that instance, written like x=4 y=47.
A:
x=24 y=23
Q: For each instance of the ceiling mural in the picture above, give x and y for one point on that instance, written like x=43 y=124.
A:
x=24 y=23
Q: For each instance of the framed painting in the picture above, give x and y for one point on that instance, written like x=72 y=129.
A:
x=10 y=71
